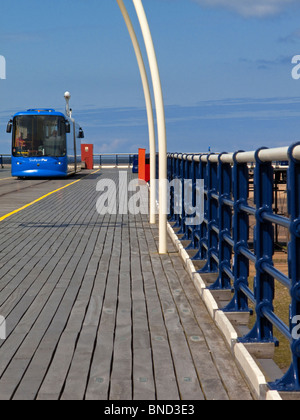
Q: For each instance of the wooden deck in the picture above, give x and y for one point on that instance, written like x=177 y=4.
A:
x=94 y=312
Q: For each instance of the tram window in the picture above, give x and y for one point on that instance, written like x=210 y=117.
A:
x=39 y=136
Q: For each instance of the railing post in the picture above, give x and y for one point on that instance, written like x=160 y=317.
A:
x=225 y=224
x=264 y=249
x=211 y=265
x=176 y=193
x=291 y=381
x=181 y=172
x=171 y=176
x=200 y=233
x=239 y=302
x=184 y=196
x=193 y=201
x=188 y=196
x=173 y=217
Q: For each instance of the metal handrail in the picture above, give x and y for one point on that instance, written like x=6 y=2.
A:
x=115 y=159
x=222 y=241
x=103 y=158
x=265 y=155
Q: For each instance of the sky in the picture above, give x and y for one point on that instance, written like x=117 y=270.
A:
x=225 y=67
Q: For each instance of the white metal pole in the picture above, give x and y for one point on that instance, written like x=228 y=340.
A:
x=149 y=107
x=67 y=98
x=161 y=125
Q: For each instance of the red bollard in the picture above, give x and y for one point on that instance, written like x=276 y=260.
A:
x=87 y=152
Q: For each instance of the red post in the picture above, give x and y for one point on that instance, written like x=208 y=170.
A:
x=142 y=164
x=87 y=152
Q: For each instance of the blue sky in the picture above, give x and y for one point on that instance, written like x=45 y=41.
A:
x=225 y=68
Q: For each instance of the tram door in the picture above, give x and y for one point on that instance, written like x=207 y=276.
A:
x=75 y=148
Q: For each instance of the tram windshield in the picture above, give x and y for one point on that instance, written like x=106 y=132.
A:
x=39 y=135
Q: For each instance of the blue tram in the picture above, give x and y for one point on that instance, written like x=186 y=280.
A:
x=45 y=143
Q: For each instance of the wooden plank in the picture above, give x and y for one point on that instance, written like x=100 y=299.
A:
x=100 y=372
x=76 y=384
x=77 y=376
x=164 y=373
x=122 y=360
x=26 y=351
x=229 y=375
x=143 y=379
x=96 y=313
x=211 y=383
x=208 y=383
x=99 y=382
x=121 y=370
x=35 y=329
x=187 y=380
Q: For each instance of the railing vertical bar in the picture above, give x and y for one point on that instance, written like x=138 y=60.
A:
x=264 y=249
x=240 y=175
x=225 y=225
x=291 y=381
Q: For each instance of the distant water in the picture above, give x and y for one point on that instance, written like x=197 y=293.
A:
x=6 y=160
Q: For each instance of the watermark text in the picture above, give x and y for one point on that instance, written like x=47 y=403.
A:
x=296 y=68
x=296 y=329
x=123 y=197
x=2 y=67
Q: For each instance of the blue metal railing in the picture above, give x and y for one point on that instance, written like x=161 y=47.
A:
x=5 y=160
x=104 y=159
x=223 y=240
x=114 y=159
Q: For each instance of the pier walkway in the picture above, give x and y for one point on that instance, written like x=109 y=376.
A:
x=93 y=311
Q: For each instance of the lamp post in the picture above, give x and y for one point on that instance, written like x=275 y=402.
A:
x=161 y=124
x=149 y=108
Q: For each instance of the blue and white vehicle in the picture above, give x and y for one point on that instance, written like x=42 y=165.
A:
x=45 y=143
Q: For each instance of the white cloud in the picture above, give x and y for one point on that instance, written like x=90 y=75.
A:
x=250 y=8
x=113 y=146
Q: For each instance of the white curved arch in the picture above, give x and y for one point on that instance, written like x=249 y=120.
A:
x=149 y=108
x=161 y=124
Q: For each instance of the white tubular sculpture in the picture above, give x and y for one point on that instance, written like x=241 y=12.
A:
x=161 y=125
x=149 y=107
